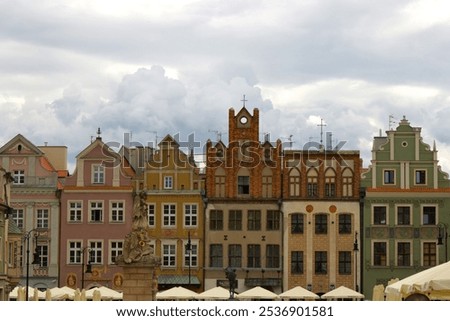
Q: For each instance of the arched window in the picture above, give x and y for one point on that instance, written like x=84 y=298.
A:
x=347 y=183
x=330 y=183
x=294 y=182
x=312 y=183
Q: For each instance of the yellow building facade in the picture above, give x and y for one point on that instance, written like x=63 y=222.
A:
x=173 y=185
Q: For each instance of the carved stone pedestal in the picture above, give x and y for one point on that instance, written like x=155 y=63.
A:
x=139 y=280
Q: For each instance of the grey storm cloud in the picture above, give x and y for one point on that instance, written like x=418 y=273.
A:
x=153 y=68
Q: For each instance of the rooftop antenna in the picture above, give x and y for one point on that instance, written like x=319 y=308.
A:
x=218 y=134
x=243 y=101
x=322 y=125
x=391 y=122
x=156 y=138
x=289 y=140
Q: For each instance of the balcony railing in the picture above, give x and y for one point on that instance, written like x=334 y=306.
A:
x=37 y=181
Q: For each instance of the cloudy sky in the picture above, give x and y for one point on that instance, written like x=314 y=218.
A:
x=165 y=67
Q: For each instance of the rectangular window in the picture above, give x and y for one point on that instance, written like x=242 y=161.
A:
x=403 y=254
x=75 y=212
x=345 y=224
x=117 y=212
x=403 y=215
x=297 y=224
x=347 y=186
x=235 y=220
x=151 y=215
x=190 y=214
x=272 y=256
x=379 y=253
x=220 y=186
x=115 y=249
x=254 y=220
x=74 y=254
x=253 y=256
x=294 y=185
x=98 y=176
x=17 y=216
x=297 y=262
x=216 y=255
x=330 y=187
x=267 y=186
x=421 y=177
x=95 y=253
x=169 y=255
x=389 y=176
x=42 y=218
x=191 y=257
x=169 y=215
x=429 y=215
x=312 y=187
x=235 y=255
x=19 y=177
x=320 y=262
x=168 y=182
x=379 y=215
x=273 y=220
x=429 y=254
x=321 y=223
x=243 y=185
x=345 y=262
x=42 y=250
x=96 y=211
x=216 y=220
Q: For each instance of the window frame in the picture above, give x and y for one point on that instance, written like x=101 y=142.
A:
x=98 y=174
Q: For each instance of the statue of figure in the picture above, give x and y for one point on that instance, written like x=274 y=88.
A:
x=137 y=242
x=136 y=246
x=140 y=209
x=230 y=274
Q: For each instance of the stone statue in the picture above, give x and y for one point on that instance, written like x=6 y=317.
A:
x=137 y=243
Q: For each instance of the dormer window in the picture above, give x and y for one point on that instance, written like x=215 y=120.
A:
x=98 y=174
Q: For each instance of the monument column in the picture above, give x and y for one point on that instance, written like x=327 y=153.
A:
x=138 y=262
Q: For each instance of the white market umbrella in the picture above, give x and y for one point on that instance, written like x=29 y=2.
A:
x=257 y=293
x=176 y=293
x=217 y=293
x=104 y=293
x=299 y=293
x=435 y=282
x=342 y=292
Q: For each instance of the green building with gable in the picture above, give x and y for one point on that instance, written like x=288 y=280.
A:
x=406 y=208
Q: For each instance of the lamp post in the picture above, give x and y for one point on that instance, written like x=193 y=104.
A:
x=188 y=248
x=355 y=251
x=36 y=259
x=443 y=234
x=88 y=266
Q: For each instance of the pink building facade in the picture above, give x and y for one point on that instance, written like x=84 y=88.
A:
x=96 y=213
x=35 y=206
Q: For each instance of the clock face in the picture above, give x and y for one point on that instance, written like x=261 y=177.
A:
x=243 y=120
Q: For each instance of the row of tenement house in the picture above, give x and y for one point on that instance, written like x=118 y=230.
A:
x=278 y=217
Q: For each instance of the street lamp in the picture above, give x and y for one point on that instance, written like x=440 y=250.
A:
x=88 y=265
x=443 y=234
x=188 y=248
x=355 y=251
x=36 y=259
